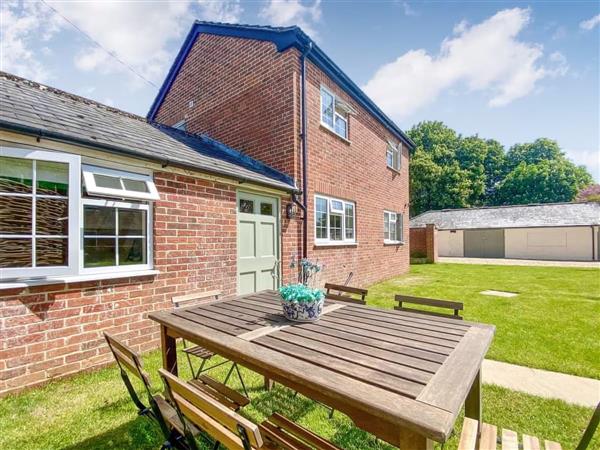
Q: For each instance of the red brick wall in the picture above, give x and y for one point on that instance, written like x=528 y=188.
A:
x=356 y=171
x=54 y=330
x=418 y=243
x=247 y=95
x=244 y=94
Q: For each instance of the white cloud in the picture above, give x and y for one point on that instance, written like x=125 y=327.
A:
x=485 y=57
x=138 y=33
x=589 y=24
x=588 y=158
x=220 y=10
x=408 y=10
x=292 y=12
x=22 y=26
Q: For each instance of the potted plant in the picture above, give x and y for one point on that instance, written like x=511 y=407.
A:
x=301 y=302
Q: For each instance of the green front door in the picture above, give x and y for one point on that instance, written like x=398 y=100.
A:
x=257 y=243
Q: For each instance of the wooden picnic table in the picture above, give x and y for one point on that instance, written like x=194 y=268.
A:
x=401 y=376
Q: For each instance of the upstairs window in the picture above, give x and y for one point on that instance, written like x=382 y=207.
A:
x=394 y=156
x=334 y=221
x=334 y=113
x=393 y=230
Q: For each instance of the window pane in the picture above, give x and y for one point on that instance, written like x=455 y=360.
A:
x=337 y=205
x=98 y=221
x=132 y=222
x=399 y=230
x=52 y=178
x=266 y=209
x=16 y=175
x=51 y=252
x=99 y=252
x=132 y=251
x=390 y=157
x=104 y=181
x=396 y=159
x=15 y=215
x=327 y=108
x=52 y=216
x=15 y=253
x=135 y=185
x=349 y=218
x=386 y=226
x=335 y=227
x=246 y=206
x=340 y=126
x=321 y=218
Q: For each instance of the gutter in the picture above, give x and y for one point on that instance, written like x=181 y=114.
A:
x=303 y=135
x=52 y=135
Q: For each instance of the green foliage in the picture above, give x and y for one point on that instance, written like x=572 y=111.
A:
x=451 y=171
x=589 y=194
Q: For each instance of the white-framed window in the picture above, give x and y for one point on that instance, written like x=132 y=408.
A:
x=116 y=183
x=393 y=229
x=335 y=221
x=334 y=113
x=394 y=156
x=116 y=234
x=39 y=200
x=50 y=225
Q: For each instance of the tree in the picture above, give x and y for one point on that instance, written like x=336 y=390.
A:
x=547 y=181
x=589 y=194
x=451 y=171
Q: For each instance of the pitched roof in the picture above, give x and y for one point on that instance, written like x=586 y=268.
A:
x=283 y=38
x=32 y=108
x=517 y=216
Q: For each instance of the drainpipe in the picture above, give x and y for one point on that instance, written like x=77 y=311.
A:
x=595 y=256
x=303 y=134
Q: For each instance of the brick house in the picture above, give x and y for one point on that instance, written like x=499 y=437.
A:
x=104 y=215
x=246 y=86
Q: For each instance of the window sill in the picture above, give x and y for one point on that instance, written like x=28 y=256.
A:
x=335 y=244
x=329 y=130
x=31 y=282
x=393 y=242
x=396 y=171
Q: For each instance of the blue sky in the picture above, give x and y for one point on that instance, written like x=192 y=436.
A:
x=512 y=71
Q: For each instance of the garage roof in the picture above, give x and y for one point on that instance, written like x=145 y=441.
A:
x=517 y=216
x=31 y=108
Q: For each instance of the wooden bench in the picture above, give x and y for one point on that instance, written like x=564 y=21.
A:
x=444 y=304
x=232 y=430
x=345 y=293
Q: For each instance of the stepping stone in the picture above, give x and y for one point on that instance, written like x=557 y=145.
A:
x=499 y=293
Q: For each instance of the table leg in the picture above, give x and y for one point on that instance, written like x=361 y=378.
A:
x=473 y=401
x=409 y=440
x=268 y=384
x=168 y=345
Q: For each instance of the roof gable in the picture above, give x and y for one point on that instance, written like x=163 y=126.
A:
x=283 y=38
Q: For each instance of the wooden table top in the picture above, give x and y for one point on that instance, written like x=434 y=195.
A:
x=405 y=369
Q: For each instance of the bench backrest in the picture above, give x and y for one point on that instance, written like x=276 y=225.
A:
x=224 y=425
x=194 y=298
x=343 y=293
x=444 y=304
x=127 y=359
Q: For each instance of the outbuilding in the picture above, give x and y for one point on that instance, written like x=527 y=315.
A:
x=553 y=231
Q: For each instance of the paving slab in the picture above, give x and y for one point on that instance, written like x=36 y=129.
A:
x=518 y=262
x=570 y=388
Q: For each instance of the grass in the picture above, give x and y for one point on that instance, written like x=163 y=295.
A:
x=93 y=410
x=552 y=324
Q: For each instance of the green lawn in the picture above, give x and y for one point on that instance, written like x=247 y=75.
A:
x=552 y=324
x=93 y=411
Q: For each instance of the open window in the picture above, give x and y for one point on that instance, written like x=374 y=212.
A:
x=394 y=156
x=334 y=113
x=100 y=181
x=393 y=227
x=334 y=221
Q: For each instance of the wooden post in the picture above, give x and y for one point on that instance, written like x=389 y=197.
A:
x=268 y=384
x=473 y=401
x=168 y=345
x=409 y=440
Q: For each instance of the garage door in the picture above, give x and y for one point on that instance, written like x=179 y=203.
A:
x=257 y=242
x=484 y=243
